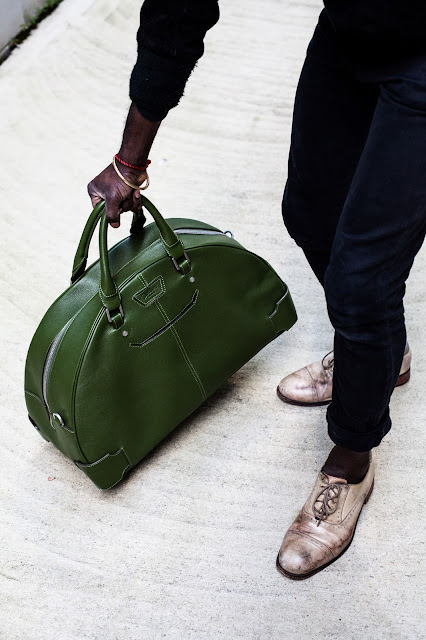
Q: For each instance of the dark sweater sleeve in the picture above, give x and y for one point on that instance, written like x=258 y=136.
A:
x=170 y=41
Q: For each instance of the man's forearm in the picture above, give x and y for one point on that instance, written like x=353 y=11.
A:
x=170 y=41
x=138 y=136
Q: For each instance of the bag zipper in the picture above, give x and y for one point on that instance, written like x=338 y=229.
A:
x=205 y=232
x=50 y=357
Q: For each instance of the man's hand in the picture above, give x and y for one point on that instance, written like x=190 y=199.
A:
x=117 y=194
x=138 y=136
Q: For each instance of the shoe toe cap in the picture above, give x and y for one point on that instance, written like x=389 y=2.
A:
x=299 y=555
x=297 y=387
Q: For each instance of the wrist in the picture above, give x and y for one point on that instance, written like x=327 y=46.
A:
x=138 y=136
x=143 y=167
x=132 y=175
x=132 y=178
x=132 y=156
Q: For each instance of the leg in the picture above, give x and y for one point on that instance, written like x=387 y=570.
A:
x=331 y=120
x=332 y=116
x=381 y=229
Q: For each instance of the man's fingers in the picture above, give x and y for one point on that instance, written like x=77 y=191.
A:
x=127 y=203
x=136 y=202
x=118 y=196
x=112 y=212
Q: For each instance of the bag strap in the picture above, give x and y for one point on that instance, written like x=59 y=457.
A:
x=108 y=290
x=80 y=258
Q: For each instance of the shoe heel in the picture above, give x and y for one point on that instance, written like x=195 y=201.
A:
x=367 y=498
x=403 y=378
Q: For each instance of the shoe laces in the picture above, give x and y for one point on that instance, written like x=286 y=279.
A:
x=327 y=501
x=330 y=363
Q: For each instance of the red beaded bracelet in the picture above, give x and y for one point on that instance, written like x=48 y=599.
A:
x=132 y=166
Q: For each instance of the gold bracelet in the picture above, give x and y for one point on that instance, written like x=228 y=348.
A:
x=129 y=184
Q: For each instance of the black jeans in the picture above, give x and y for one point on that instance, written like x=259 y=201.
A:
x=355 y=202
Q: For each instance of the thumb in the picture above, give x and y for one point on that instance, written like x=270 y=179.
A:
x=94 y=194
x=95 y=200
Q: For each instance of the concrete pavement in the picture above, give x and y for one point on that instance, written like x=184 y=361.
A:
x=186 y=548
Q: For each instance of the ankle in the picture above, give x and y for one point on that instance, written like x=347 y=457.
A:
x=347 y=464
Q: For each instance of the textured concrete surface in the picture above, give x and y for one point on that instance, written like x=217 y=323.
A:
x=186 y=548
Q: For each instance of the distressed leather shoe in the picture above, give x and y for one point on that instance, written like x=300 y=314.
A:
x=312 y=386
x=325 y=526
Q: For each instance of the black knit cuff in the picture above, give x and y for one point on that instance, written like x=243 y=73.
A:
x=157 y=84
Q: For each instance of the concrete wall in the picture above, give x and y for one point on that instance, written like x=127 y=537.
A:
x=13 y=14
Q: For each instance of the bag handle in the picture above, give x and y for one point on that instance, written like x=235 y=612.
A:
x=80 y=258
x=108 y=291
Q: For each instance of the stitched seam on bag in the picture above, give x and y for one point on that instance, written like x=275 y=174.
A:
x=169 y=324
x=155 y=295
x=111 y=295
x=168 y=245
x=180 y=345
x=183 y=350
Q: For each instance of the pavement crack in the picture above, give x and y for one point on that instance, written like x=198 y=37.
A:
x=8 y=577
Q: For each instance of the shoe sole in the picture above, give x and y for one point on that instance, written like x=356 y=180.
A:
x=300 y=404
x=295 y=576
x=403 y=378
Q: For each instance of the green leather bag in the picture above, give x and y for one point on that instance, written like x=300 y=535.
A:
x=142 y=337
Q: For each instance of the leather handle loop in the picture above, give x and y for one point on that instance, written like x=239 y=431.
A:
x=80 y=258
x=174 y=248
x=108 y=291
x=171 y=242
x=172 y=245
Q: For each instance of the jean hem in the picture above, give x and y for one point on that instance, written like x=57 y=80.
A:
x=358 y=442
